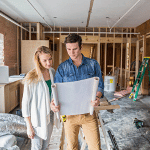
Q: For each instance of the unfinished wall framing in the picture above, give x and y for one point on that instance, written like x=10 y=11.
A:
x=112 y=50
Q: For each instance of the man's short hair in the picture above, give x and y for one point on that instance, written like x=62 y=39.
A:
x=73 y=38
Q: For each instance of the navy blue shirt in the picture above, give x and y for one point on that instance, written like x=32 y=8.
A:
x=68 y=72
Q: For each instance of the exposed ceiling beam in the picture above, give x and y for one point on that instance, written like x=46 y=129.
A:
x=89 y=13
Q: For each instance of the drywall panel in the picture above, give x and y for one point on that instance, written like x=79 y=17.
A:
x=28 y=48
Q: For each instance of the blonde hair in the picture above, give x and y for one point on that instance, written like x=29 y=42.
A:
x=36 y=74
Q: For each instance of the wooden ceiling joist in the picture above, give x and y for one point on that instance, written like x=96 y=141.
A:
x=89 y=13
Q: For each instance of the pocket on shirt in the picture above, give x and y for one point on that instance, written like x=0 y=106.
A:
x=90 y=75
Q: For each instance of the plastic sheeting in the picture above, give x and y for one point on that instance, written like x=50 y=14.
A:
x=12 y=124
x=10 y=148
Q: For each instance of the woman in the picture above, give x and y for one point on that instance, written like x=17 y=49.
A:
x=36 y=99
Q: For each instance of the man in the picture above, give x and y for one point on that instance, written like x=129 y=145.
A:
x=78 y=67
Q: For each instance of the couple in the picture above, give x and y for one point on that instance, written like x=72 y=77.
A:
x=37 y=96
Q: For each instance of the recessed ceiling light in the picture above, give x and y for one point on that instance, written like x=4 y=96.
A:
x=54 y=17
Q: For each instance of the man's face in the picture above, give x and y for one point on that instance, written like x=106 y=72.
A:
x=73 y=50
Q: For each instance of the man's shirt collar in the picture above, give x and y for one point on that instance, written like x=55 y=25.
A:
x=83 y=60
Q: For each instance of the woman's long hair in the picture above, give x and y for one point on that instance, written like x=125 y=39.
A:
x=36 y=74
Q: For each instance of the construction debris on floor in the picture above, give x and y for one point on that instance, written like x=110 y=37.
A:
x=128 y=128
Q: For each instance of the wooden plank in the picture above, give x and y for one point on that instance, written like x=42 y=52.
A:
x=21 y=32
x=38 y=31
x=110 y=40
x=107 y=107
x=143 y=55
x=121 y=66
x=128 y=40
x=18 y=57
x=113 y=57
x=43 y=33
x=53 y=50
x=85 y=39
x=105 y=64
x=7 y=99
x=60 y=47
x=89 y=13
x=99 y=49
x=29 y=31
x=2 y=99
x=98 y=52
x=29 y=47
x=137 y=57
x=95 y=39
x=126 y=63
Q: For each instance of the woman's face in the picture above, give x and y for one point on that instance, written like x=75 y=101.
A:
x=46 y=60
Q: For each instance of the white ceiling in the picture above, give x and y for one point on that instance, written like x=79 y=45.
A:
x=75 y=12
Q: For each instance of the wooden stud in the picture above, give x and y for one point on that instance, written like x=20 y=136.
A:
x=38 y=31
x=105 y=64
x=21 y=32
x=29 y=31
x=143 y=55
x=18 y=58
x=121 y=66
x=137 y=58
x=43 y=33
x=98 y=50
x=53 y=50
x=60 y=49
x=93 y=31
x=89 y=13
x=114 y=53
x=113 y=58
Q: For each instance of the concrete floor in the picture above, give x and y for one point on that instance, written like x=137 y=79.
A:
x=121 y=124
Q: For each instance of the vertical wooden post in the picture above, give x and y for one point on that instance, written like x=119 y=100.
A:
x=130 y=52
x=144 y=46
x=127 y=63
x=21 y=32
x=113 y=58
x=53 y=49
x=60 y=49
x=121 y=65
x=98 y=49
x=137 y=58
x=18 y=58
x=29 y=31
x=43 y=33
x=38 y=31
x=105 y=64
x=143 y=55
x=114 y=53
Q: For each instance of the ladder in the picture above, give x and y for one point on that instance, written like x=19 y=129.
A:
x=139 y=78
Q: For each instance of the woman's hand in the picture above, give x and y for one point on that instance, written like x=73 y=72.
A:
x=30 y=132
x=53 y=107
x=96 y=102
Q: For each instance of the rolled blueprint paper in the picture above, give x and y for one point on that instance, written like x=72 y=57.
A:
x=95 y=88
x=55 y=96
